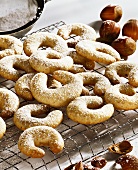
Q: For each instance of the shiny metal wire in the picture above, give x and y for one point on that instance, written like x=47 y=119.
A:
x=82 y=142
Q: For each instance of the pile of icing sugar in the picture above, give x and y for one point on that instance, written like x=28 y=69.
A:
x=16 y=13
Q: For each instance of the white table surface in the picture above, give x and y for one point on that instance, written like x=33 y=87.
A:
x=88 y=12
x=72 y=11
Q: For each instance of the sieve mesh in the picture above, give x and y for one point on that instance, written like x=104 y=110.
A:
x=11 y=15
x=82 y=142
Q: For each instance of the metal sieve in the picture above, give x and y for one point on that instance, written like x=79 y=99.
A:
x=25 y=27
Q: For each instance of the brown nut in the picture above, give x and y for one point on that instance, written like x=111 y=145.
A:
x=76 y=166
x=98 y=162
x=111 y=12
x=130 y=29
x=128 y=162
x=125 y=46
x=109 y=31
x=90 y=167
x=123 y=147
x=79 y=166
x=70 y=167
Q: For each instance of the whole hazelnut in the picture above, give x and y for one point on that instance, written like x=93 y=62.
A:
x=111 y=12
x=98 y=162
x=125 y=46
x=130 y=29
x=128 y=162
x=109 y=31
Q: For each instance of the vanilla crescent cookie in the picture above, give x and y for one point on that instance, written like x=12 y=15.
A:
x=96 y=51
x=9 y=103
x=100 y=82
x=10 y=66
x=22 y=85
x=36 y=136
x=10 y=45
x=78 y=59
x=44 y=39
x=24 y=116
x=77 y=68
x=79 y=29
x=52 y=83
x=119 y=69
x=50 y=61
x=72 y=88
x=133 y=77
x=2 y=127
x=122 y=96
x=89 y=110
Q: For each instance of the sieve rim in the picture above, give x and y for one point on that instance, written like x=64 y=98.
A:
x=40 y=8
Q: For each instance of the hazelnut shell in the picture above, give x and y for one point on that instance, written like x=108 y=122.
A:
x=123 y=147
x=109 y=31
x=125 y=46
x=111 y=12
x=130 y=29
x=128 y=162
x=98 y=162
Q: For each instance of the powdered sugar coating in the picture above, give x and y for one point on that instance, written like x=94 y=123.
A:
x=40 y=136
x=82 y=30
x=133 y=77
x=9 y=103
x=9 y=65
x=2 y=127
x=16 y=14
x=100 y=82
x=78 y=59
x=22 y=85
x=122 y=96
x=77 y=68
x=89 y=110
x=119 y=69
x=50 y=61
x=46 y=39
x=97 y=51
x=23 y=117
x=10 y=45
x=58 y=97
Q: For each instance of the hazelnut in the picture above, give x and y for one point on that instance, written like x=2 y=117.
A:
x=130 y=29
x=128 y=162
x=70 y=167
x=79 y=166
x=98 y=162
x=111 y=12
x=123 y=147
x=89 y=167
x=76 y=166
x=109 y=31
x=125 y=46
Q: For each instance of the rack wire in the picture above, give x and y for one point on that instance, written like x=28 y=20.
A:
x=82 y=142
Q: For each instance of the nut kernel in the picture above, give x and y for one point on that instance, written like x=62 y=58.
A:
x=111 y=12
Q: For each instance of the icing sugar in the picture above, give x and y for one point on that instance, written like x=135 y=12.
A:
x=14 y=14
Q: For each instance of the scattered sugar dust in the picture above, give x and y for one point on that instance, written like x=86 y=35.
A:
x=16 y=13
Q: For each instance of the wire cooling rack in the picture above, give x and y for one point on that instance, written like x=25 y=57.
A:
x=82 y=142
